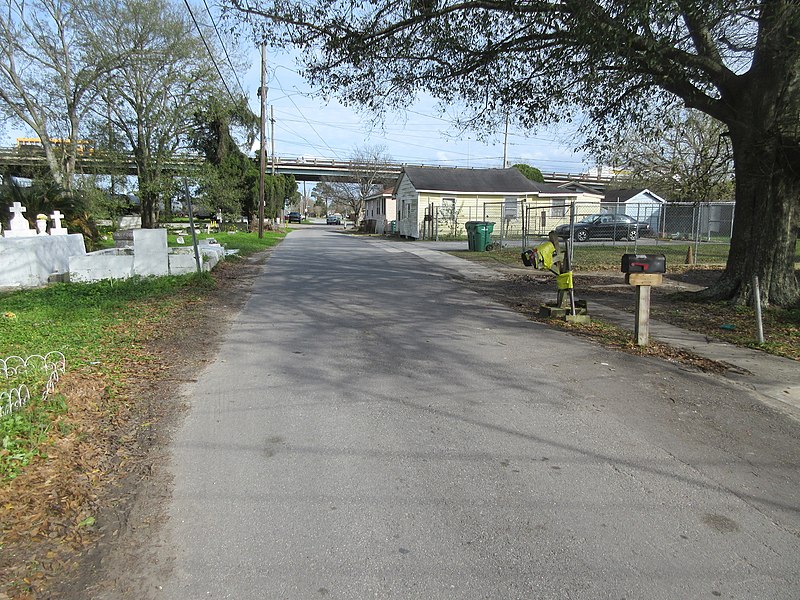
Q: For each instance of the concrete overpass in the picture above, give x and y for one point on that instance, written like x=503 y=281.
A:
x=316 y=169
x=303 y=169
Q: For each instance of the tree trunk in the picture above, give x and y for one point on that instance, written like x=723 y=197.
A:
x=149 y=207
x=148 y=195
x=766 y=220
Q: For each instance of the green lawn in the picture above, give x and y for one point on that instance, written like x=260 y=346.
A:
x=245 y=243
x=98 y=327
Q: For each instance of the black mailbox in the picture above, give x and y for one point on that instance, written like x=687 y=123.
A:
x=644 y=263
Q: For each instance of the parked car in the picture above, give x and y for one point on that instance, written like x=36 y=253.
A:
x=333 y=220
x=294 y=217
x=613 y=226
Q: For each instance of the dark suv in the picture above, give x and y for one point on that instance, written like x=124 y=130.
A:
x=294 y=217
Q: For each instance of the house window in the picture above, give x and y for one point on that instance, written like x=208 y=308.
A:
x=448 y=209
x=558 y=208
x=510 y=208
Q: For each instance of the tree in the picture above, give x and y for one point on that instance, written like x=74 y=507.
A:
x=152 y=95
x=231 y=179
x=686 y=160
x=611 y=61
x=48 y=72
x=367 y=176
x=530 y=172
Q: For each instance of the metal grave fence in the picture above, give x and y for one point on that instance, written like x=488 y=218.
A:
x=15 y=369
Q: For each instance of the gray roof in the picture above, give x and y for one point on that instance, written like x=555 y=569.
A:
x=448 y=179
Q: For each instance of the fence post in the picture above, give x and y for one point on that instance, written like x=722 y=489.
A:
x=502 y=223
x=757 y=307
x=571 y=231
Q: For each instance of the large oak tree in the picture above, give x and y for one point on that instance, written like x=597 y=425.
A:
x=49 y=71
x=610 y=61
x=151 y=96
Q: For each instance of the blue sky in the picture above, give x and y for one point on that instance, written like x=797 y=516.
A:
x=305 y=125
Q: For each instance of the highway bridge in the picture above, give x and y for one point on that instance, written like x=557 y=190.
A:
x=303 y=169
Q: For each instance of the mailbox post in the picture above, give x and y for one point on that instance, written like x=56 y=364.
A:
x=643 y=271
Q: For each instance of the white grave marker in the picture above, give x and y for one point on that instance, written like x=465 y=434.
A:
x=18 y=226
x=56 y=228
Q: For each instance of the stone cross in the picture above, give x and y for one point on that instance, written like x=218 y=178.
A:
x=56 y=228
x=57 y=216
x=18 y=226
x=18 y=221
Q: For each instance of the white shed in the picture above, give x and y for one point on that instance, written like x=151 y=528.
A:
x=640 y=204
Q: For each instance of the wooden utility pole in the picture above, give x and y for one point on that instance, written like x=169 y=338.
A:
x=505 y=145
x=272 y=171
x=262 y=150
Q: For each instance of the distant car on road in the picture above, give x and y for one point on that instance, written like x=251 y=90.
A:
x=294 y=217
x=333 y=220
x=617 y=227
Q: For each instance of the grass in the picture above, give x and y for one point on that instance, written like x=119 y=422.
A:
x=94 y=325
x=24 y=434
x=97 y=326
x=245 y=243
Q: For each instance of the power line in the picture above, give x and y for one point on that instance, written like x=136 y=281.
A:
x=225 y=50
x=280 y=87
x=208 y=49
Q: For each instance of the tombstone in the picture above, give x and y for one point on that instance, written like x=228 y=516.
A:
x=56 y=228
x=129 y=222
x=18 y=226
x=41 y=224
x=150 y=254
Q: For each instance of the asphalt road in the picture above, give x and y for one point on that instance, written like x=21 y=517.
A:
x=372 y=428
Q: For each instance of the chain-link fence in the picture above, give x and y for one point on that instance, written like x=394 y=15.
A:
x=447 y=220
x=699 y=231
x=703 y=230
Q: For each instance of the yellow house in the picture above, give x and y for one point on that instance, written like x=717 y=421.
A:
x=449 y=197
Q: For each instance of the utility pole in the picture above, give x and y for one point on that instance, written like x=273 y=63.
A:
x=505 y=146
x=262 y=150
x=272 y=140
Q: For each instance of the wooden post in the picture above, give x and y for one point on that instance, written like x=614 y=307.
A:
x=643 y=283
x=262 y=152
x=641 y=329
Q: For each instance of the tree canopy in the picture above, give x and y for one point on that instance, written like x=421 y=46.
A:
x=603 y=62
x=689 y=161
x=530 y=172
x=126 y=74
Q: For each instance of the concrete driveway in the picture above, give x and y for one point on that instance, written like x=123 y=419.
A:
x=373 y=429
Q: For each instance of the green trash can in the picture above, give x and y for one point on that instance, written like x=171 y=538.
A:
x=483 y=235
x=470 y=227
